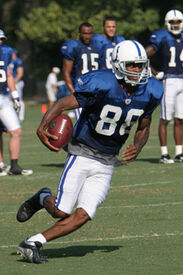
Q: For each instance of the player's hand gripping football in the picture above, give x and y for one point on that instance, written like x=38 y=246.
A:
x=130 y=153
x=45 y=138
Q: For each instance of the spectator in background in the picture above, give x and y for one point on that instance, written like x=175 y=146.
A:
x=51 y=85
x=2 y=36
x=17 y=70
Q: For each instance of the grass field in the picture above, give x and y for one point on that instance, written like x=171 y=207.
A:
x=138 y=230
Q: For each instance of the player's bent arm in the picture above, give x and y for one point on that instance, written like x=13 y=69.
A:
x=140 y=139
x=142 y=133
x=10 y=80
x=150 y=52
x=67 y=69
x=20 y=73
x=65 y=103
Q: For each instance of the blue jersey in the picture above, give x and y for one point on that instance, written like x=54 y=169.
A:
x=108 y=112
x=14 y=65
x=5 y=59
x=85 y=57
x=106 y=47
x=170 y=53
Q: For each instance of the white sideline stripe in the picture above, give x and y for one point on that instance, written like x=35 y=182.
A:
x=123 y=237
x=119 y=206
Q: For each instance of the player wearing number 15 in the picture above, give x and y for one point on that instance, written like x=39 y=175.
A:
x=80 y=57
x=112 y=103
x=168 y=44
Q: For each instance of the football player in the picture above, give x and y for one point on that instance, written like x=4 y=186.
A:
x=168 y=44
x=112 y=103
x=107 y=41
x=17 y=69
x=80 y=57
x=8 y=115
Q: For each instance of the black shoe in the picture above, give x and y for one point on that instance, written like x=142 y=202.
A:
x=23 y=172
x=166 y=159
x=30 y=251
x=178 y=158
x=31 y=206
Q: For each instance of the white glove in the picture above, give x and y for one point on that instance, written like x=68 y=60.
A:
x=16 y=102
x=159 y=75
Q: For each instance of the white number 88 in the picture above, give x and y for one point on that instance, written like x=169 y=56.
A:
x=112 y=121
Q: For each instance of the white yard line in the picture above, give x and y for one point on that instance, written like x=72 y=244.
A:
x=118 y=206
x=123 y=237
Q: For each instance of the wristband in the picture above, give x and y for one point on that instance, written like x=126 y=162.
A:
x=14 y=94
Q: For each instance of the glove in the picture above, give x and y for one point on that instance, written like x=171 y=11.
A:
x=16 y=102
x=159 y=75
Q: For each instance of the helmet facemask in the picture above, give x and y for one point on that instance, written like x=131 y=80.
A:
x=175 y=28
x=130 y=52
x=174 y=22
x=140 y=77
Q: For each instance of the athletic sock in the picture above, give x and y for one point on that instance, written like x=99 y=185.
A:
x=37 y=238
x=42 y=196
x=15 y=166
x=178 y=150
x=164 y=150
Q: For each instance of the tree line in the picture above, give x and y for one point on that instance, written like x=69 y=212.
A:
x=37 y=28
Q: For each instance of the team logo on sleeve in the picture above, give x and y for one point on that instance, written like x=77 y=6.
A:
x=80 y=81
x=128 y=101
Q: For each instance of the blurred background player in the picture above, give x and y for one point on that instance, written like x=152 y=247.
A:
x=2 y=36
x=107 y=41
x=80 y=56
x=17 y=70
x=8 y=115
x=3 y=166
x=168 y=44
x=51 y=85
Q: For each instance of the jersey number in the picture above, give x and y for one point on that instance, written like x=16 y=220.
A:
x=94 y=63
x=108 y=58
x=111 y=123
x=172 y=62
x=2 y=73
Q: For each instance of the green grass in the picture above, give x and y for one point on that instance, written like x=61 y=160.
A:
x=138 y=229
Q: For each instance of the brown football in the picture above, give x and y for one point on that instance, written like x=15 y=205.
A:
x=61 y=127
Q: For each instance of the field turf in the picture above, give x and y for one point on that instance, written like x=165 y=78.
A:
x=138 y=229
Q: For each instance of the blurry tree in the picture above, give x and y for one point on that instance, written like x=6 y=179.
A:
x=38 y=27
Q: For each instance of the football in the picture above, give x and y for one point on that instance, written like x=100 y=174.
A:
x=61 y=127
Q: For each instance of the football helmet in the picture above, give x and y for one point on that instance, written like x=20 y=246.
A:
x=174 y=15
x=130 y=51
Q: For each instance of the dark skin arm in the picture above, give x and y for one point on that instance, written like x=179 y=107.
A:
x=140 y=139
x=67 y=69
x=65 y=103
x=150 y=52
